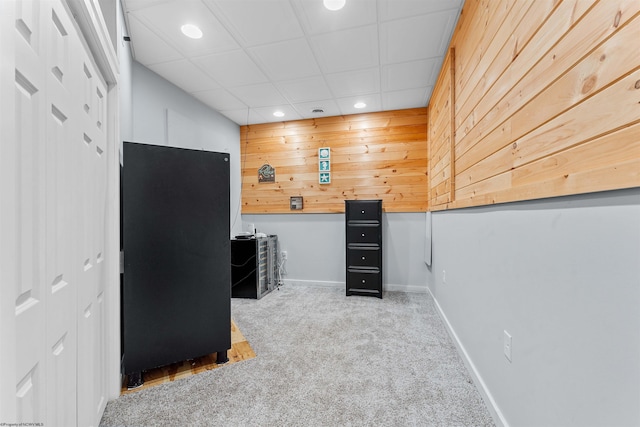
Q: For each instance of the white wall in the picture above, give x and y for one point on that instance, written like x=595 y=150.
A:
x=164 y=114
x=111 y=13
x=315 y=244
x=125 y=90
x=562 y=276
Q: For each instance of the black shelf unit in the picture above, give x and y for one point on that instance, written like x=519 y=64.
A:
x=254 y=267
x=363 y=220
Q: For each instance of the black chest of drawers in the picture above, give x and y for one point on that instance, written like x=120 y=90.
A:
x=363 y=219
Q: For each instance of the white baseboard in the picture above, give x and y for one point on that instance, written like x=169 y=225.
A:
x=318 y=283
x=410 y=289
x=494 y=410
x=387 y=287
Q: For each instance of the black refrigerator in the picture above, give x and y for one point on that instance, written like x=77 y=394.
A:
x=176 y=302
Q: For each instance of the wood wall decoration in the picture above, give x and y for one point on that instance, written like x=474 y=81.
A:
x=546 y=102
x=324 y=165
x=373 y=156
x=266 y=173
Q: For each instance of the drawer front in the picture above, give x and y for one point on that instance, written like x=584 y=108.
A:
x=364 y=257
x=363 y=234
x=362 y=210
x=364 y=280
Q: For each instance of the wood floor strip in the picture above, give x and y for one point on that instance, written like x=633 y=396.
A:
x=240 y=350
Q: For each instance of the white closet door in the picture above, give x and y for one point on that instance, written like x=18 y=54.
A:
x=52 y=233
x=28 y=232
x=9 y=234
x=61 y=42
x=91 y=166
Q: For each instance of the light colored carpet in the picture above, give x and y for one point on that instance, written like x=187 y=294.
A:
x=323 y=359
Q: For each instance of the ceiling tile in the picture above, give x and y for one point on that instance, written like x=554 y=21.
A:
x=267 y=112
x=401 y=99
x=394 y=9
x=427 y=96
x=241 y=117
x=148 y=48
x=220 y=99
x=185 y=75
x=231 y=68
x=141 y=4
x=347 y=50
x=260 y=95
x=316 y=19
x=257 y=22
x=419 y=37
x=329 y=106
x=286 y=60
x=167 y=18
x=301 y=90
x=372 y=101
x=354 y=82
x=408 y=75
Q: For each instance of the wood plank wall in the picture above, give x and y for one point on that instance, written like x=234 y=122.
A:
x=441 y=130
x=546 y=102
x=373 y=156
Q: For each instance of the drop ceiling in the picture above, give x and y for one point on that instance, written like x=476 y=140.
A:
x=294 y=56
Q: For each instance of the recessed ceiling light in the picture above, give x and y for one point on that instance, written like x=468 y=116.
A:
x=359 y=105
x=278 y=114
x=334 y=4
x=192 y=31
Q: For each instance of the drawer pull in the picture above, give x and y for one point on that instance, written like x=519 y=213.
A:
x=362 y=211
x=364 y=281
x=362 y=234
x=364 y=258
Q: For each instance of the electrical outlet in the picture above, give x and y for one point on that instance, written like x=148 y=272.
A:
x=284 y=254
x=507 y=345
x=444 y=276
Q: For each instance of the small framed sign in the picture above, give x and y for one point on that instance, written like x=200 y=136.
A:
x=324 y=153
x=324 y=166
x=325 y=177
x=295 y=203
x=267 y=173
